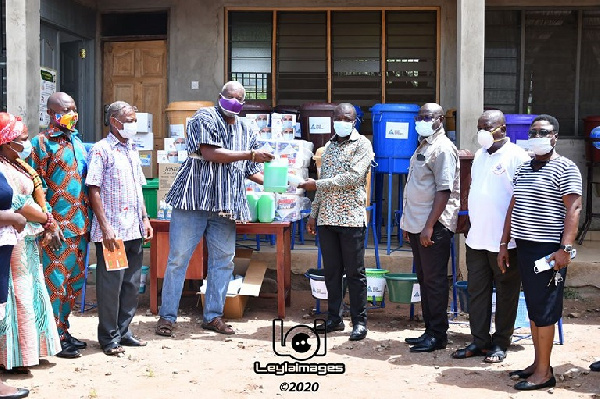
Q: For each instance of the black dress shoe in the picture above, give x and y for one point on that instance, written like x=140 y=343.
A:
x=595 y=366
x=21 y=393
x=524 y=374
x=469 y=351
x=68 y=350
x=330 y=326
x=359 y=331
x=415 y=341
x=132 y=340
x=530 y=386
x=429 y=344
x=75 y=342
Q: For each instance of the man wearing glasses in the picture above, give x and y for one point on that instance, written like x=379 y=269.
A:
x=492 y=174
x=431 y=202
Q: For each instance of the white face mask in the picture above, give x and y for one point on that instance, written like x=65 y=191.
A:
x=26 y=149
x=485 y=139
x=540 y=145
x=129 y=130
x=424 y=128
x=342 y=128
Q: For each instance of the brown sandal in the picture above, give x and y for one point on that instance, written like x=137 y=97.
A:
x=164 y=327
x=218 y=325
x=113 y=349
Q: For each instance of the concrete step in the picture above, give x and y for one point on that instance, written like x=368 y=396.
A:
x=584 y=270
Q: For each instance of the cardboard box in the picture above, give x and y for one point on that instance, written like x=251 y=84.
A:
x=161 y=193
x=253 y=272
x=144 y=122
x=166 y=175
x=162 y=156
x=143 y=141
x=149 y=165
x=177 y=130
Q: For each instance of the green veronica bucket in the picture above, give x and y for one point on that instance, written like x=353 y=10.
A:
x=400 y=286
x=375 y=284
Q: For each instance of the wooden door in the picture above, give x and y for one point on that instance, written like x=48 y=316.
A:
x=136 y=72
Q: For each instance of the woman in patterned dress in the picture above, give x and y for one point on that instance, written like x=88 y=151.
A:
x=28 y=331
x=11 y=224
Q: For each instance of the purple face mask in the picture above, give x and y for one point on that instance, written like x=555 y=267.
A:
x=230 y=105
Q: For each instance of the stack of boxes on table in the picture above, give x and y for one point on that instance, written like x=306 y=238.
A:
x=162 y=163
x=276 y=134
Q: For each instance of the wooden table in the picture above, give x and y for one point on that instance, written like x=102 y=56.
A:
x=159 y=251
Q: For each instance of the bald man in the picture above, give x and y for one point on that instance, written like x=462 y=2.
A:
x=208 y=196
x=339 y=212
x=60 y=159
x=429 y=218
x=492 y=174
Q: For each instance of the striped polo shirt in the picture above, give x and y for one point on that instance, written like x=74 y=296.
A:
x=539 y=211
x=211 y=186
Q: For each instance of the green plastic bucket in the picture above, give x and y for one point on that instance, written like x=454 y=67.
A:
x=400 y=286
x=375 y=284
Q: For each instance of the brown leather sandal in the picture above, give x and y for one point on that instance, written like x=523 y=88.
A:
x=164 y=327
x=218 y=325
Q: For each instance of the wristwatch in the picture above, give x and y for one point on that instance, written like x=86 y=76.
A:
x=567 y=248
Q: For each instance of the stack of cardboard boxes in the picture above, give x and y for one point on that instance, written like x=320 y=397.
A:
x=143 y=141
x=164 y=163
x=298 y=153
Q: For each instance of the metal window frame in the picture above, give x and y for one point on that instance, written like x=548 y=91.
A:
x=383 y=10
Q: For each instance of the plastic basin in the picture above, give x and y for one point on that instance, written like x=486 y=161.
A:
x=400 y=286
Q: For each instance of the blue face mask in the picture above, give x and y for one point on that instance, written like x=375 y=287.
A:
x=26 y=149
x=343 y=128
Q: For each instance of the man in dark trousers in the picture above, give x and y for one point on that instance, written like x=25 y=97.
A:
x=339 y=212
x=431 y=203
x=492 y=175
x=115 y=179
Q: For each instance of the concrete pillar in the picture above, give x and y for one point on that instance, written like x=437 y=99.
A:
x=23 y=60
x=470 y=60
x=470 y=49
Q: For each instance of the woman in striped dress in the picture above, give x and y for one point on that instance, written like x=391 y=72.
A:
x=543 y=217
x=28 y=331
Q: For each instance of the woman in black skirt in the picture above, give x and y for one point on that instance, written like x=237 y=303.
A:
x=543 y=217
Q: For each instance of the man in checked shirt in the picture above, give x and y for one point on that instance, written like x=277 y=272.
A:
x=339 y=212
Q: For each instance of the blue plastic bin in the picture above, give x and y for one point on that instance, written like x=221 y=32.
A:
x=359 y=117
x=517 y=126
x=394 y=136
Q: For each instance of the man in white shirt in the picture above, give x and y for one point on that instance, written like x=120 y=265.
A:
x=492 y=173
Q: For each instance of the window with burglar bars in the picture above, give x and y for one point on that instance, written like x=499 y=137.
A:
x=335 y=56
x=544 y=61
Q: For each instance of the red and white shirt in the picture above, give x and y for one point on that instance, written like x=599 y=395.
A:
x=116 y=168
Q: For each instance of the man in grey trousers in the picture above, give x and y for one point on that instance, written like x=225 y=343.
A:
x=120 y=224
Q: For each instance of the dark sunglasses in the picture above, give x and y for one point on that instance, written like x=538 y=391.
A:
x=419 y=118
x=540 y=133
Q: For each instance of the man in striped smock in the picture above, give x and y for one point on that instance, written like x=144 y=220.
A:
x=208 y=196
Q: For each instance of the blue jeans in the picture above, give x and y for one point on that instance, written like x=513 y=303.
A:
x=186 y=230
